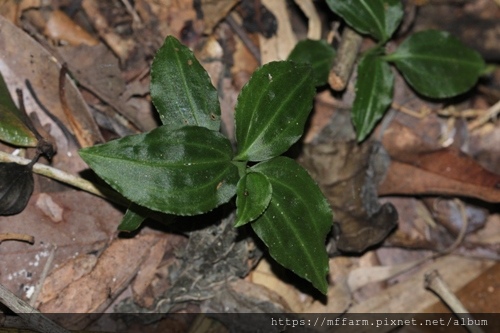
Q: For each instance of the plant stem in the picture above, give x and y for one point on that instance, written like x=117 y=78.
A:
x=66 y=178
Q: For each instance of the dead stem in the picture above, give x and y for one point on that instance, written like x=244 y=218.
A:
x=436 y=284
x=17 y=237
x=35 y=319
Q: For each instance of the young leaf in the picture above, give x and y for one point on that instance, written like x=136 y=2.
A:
x=373 y=93
x=132 y=219
x=12 y=126
x=184 y=172
x=393 y=15
x=319 y=54
x=295 y=224
x=272 y=110
x=378 y=18
x=437 y=64
x=253 y=195
x=181 y=89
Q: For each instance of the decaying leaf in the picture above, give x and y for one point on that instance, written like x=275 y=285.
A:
x=348 y=175
x=16 y=186
x=417 y=168
x=114 y=270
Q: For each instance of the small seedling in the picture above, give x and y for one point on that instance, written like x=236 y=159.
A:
x=434 y=63
x=187 y=167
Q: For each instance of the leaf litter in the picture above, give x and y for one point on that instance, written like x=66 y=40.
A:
x=431 y=158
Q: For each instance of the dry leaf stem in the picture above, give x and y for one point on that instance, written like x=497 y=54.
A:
x=65 y=177
x=436 y=284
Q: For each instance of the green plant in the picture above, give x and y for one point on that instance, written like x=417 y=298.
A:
x=187 y=167
x=434 y=63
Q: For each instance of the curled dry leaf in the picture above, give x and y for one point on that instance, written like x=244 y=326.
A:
x=418 y=169
x=348 y=174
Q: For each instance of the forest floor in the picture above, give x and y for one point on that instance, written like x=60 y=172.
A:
x=440 y=166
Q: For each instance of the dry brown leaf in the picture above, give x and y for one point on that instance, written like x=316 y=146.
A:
x=41 y=69
x=419 y=168
x=279 y=46
x=115 y=268
x=348 y=174
x=86 y=226
x=214 y=11
x=147 y=274
x=58 y=26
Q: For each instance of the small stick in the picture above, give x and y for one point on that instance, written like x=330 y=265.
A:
x=436 y=284
x=35 y=319
x=491 y=113
x=244 y=37
x=345 y=59
x=17 y=237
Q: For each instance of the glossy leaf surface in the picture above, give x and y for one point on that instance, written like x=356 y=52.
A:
x=253 y=196
x=272 y=109
x=181 y=89
x=377 y=18
x=295 y=224
x=437 y=64
x=12 y=127
x=184 y=172
x=319 y=54
x=374 y=89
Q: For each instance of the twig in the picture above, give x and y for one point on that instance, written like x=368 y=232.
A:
x=314 y=24
x=436 y=284
x=244 y=37
x=17 y=237
x=66 y=178
x=492 y=112
x=43 y=276
x=35 y=319
x=345 y=59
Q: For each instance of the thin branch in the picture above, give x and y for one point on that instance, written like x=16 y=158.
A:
x=436 y=284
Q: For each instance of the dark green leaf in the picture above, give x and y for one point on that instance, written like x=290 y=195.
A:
x=184 y=172
x=272 y=109
x=16 y=186
x=319 y=54
x=437 y=64
x=181 y=89
x=132 y=219
x=12 y=126
x=378 y=18
x=253 y=195
x=393 y=15
x=295 y=224
x=373 y=93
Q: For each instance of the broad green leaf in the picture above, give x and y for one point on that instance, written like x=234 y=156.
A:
x=12 y=127
x=181 y=89
x=374 y=88
x=437 y=64
x=319 y=54
x=253 y=195
x=378 y=18
x=132 y=219
x=184 y=172
x=272 y=109
x=295 y=224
